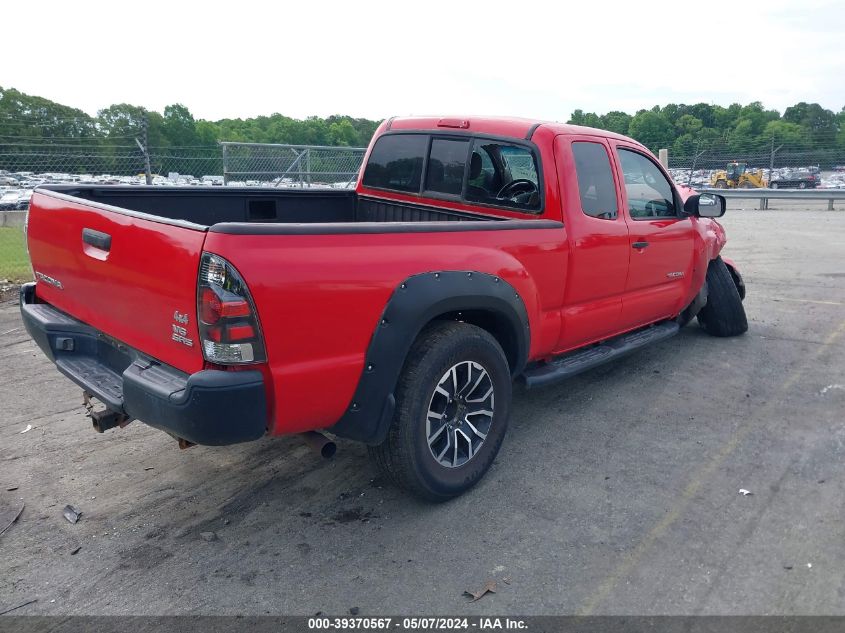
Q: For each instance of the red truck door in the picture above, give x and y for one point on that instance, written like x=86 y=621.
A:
x=598 y=234
x=661 y=240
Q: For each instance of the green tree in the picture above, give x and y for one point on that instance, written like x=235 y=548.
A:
x=819 y=123
x=652 y=130
x=342 y=133
x=790 y=135
x=588 y=119
x=687 y=124
x=179 y=127
x=616 y=121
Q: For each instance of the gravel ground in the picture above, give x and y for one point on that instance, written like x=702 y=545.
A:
x=615 y=493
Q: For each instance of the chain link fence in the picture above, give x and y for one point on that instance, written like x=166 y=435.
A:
x=34 y=164
x=779 y=163
x=25 y=166
x=290 y=165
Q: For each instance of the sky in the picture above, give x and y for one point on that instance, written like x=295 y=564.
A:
x=378 y=59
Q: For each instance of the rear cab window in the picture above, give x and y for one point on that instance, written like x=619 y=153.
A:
x=396 y=162
x=481 y=171
x=446 y=164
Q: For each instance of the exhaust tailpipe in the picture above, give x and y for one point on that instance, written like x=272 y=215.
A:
x=320 y=444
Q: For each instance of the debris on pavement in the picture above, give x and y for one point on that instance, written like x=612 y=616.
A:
x=149 y=468
x=745 y=492
x=829 y=387
x=353 y=514
x=75 y=551
x=354 y=611
x=208 y=536
x=28 y=428
x=5 y=611
x=809 y=565
x=72 y=513
x=16 y=517
x=489 y=587
x=11 y=488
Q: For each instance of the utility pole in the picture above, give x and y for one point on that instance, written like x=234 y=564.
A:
x=145 y=150
x=695 y=158
x=772 y=157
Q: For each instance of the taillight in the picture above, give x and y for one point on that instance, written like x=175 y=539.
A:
x=228 y=322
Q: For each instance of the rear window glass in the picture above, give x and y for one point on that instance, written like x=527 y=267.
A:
x=396 y=162
x=595 y=180
x=446 y=165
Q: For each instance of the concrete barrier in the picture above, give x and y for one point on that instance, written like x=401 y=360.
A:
x=12 y=218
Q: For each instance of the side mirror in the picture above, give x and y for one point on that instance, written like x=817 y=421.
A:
x=705 y=205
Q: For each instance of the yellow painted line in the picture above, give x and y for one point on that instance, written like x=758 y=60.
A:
x=629 y=561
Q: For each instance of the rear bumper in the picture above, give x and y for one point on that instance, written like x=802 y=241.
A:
x=209 y=407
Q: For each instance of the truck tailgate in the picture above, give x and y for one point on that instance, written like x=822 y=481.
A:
x=130 y=275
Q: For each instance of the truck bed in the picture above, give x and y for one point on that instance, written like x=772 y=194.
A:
x=207 y=206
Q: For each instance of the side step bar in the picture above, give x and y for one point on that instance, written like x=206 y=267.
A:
x=576 y=362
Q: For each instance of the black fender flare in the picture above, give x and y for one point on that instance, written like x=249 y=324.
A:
x=414 y=303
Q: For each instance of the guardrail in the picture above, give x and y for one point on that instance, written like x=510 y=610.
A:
x=764 y=195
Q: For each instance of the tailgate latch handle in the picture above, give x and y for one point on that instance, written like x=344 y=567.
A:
x=97 y=239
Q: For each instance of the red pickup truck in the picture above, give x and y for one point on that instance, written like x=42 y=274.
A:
x=471 y=253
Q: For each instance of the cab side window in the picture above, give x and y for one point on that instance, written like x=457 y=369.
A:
x=595 y=180
x=649 y=192
x=503 y=175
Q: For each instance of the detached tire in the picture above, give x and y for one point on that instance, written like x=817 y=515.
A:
x=452 y=407
x=723 y=315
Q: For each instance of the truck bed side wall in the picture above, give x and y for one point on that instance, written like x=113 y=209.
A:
x=320 y=298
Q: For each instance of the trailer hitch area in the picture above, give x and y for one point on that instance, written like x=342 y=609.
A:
x=103 y=419
x=183 y=443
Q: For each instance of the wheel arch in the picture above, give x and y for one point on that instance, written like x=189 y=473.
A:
x=477 y=298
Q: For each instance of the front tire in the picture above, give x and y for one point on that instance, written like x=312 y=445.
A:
x=452 y=408
x=724 y=314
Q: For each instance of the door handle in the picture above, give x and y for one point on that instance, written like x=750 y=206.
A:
x=97 y=239
x=639 y=244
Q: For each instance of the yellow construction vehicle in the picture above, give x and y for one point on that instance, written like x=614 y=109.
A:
x=737 y=175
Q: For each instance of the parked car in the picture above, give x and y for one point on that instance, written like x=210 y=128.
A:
x=794 y=180
x=471 y=253
x=10 y=201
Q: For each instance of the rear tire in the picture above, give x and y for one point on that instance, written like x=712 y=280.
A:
x=439 y=456
x=724 y=314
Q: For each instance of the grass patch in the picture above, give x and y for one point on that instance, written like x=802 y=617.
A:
x=14 y=264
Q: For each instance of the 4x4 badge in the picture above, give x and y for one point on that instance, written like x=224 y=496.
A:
x=180 y=332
